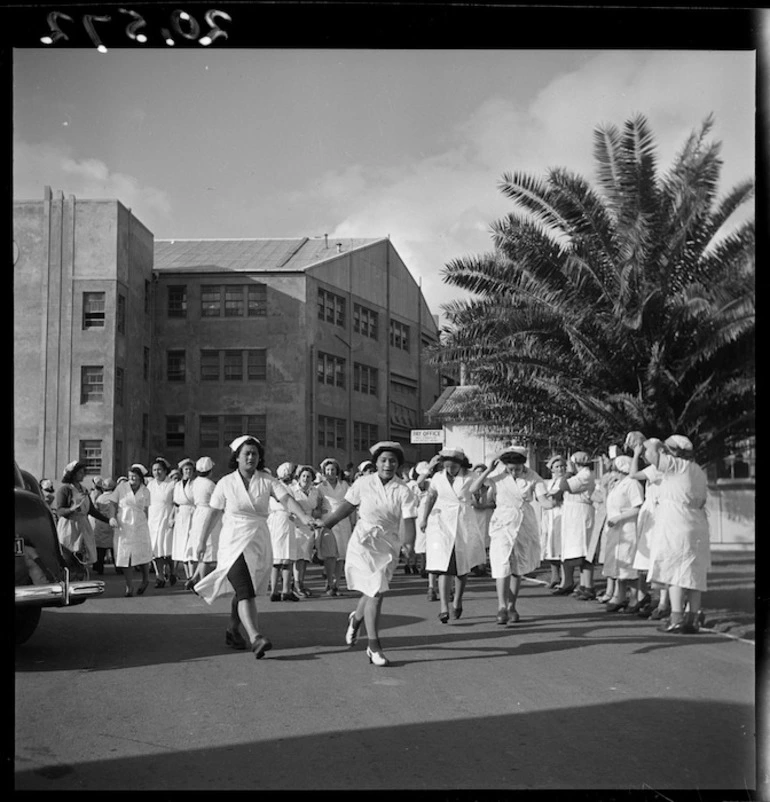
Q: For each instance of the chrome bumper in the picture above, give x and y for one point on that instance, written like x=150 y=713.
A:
x=58 y=594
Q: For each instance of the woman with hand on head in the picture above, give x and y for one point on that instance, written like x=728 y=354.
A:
x=73 y=505
x=381 y=500
x=245 y=554
x=182 y=547
x=305 y=492
x=680 y=555
x=455 y=543
x=419 y=481
x=513 y=529
x=333 y=489
x=133 y=545
x=160 y=518
x=205 y=538
x=282 y=539
x=550 y=521
x=104 y=534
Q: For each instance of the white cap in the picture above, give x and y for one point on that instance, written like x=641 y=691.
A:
x=239 y=441
x=204 y=464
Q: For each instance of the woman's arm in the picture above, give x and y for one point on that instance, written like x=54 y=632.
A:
x=410 y=534
x=653 y=448
x=95 y=512
x=292 y=505
x=627 y=515
x=343 y=511
x=430 y=501
x=63 y=505
x=479 y=480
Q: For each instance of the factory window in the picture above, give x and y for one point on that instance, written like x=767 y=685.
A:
x=233 y=366
x=331 y=370
x=175 y=366
x=364 y=436
x=175 y=431
x=209 y=431
x=331 y=432
x=211 y=301
x=93 y=310
x=399 y=335
x=365 y=321
x=256 y=364
x=257 y=300
x=91 y=383
x=210 y=366
x=177 y=301
x=90 y=454
x=235 y=304
x=364 y=379
x=331 y=307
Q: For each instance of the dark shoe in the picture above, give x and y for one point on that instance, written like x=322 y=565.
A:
x=502 y=616
x=563 y=591
x=305 y=592
x=552 y=585
x=457 y=612
x=276 y=597
x=160 y=583
x=292 y=595
x=634 y=608
x=659 y=613
x=172 y=580
x=432 y=595
x=260 y=645
x=234 y=639
x=190 y=584
x=673 y=628
x=443 y=617
x=586 y=594
x=129 y=592
x=141 y=589
x=616 y=607
x=645 y=611
x=691 y=624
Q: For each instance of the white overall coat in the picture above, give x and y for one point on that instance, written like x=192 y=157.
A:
x=160 y=516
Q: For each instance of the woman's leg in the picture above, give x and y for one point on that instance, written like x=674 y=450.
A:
x=128 y=576
x=502 y=586
x=329 y=567
x=676 y=596
x=513 y=593
x=587 y=574
x=443 y=592
x=247 y=614
x=568 y=571
x=339 y=567
x=620 y=592
x=371 y=610
x=555 y=578
x=274 y=579
x=459 y=590
x=285 y=578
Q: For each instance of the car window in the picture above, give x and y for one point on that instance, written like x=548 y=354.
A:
x=30 y=483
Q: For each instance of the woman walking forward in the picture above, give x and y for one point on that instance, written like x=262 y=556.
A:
x=333 y=489
x=184 y=506
x=245 y=554
x=160 y=518
x=382 y=500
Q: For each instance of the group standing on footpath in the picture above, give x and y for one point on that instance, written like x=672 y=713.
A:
x=252 y=531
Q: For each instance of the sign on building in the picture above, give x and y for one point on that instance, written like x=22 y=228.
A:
x=427 y=436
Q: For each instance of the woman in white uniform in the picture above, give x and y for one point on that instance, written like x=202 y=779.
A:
x=204 y=537
x=381 y=500
x=245 y=554
x=623 y=502
x=454 y=544
x=282 y=540
x=513 y=529
x=182 y=548
x=680 y=554
x=133 y=544
x=483 y=506
x=333 y=489
x=419 y=482
x=160 y=519
x=307 y=496
x=550 y=519
x=577 y=525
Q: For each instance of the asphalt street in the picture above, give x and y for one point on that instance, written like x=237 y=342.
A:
x=142 y=694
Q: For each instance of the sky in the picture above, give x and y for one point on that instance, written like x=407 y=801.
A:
x=409 y=144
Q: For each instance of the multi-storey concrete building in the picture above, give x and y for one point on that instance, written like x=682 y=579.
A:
x=126 y=347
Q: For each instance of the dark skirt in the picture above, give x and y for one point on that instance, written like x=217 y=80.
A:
x=240 y=579
x=451 y=569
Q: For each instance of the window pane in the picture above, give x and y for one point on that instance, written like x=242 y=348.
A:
x=209 y=434
x=256 y=425
x=90 y=453
x=233 y=366
x=175 y=366
x=121 y=314
x=210 y=301
x=209 y=366
x=91 y=384
x=257 y=296
x=119 y=386
x=93 y=310
x=257 y=364
x=234 y=303
x=175 y=430
x=233 y=427
x=177 y=301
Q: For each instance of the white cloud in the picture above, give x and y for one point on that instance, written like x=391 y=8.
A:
x=439 y=208
x=39 y=165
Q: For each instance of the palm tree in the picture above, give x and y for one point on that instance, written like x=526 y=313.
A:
x=628 y=305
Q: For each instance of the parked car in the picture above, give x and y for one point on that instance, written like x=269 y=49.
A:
x=47 y=574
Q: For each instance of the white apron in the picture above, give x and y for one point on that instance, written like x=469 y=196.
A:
x=680 y=552
x=132 y=537
x=456 y=527
x=75 y=532
x=577 y=517
x=282 y=537
x=304 y=536
x=374 y=546
x=646 y=520
x=160 y=516
x=202 y=489
x=620 y=541
x=182 y=547
x=550 y=526
x=333 y=497
x=244 y=531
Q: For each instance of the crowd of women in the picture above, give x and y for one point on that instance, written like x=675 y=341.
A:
x=253 y=531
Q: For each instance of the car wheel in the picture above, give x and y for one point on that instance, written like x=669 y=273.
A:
x=25 y=623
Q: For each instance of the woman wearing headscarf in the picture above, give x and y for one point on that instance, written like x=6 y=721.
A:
x=182 y=547
x=160 y=519
x=513 y=529
x=282 y=539
x=133 y=544
x=333 y=489
x=104 y=534
x=73 y=505
x=624 y=500
x=305 y=492
x=205 y=538
x=381 y=500
x=455 y=543
x=680 y=554
x=245 y=555
x=550 y=520
x=577 y=525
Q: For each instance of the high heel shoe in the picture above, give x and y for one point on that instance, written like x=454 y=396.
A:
x=260 y=645
x=616 y=607
x=190 y=584
x=513 y=617
x=634 y=608
x=129 y=592
x=563 y=591
x=502 y=616
x=234 y=639
x=141 y=589
x=443 y=617
x=172 y=580
x=377 y=658
x=160 y=583
x=351 y=633
x=457 y=612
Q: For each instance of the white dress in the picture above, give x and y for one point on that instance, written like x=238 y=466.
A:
x=332 y=498
x=620 y=540
x=182 y=547
x=160 y=516
x=374 y=546
x=202 y=490
x=304 y=537
x=483 y=516
x=244 y=531
x=420 y=540
x=646 y=520
x=680 y=551
x=133 y=545
x=514 y=533
x=456 y=526
x=550 y=525
x=577 y=517
x=282 y=536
